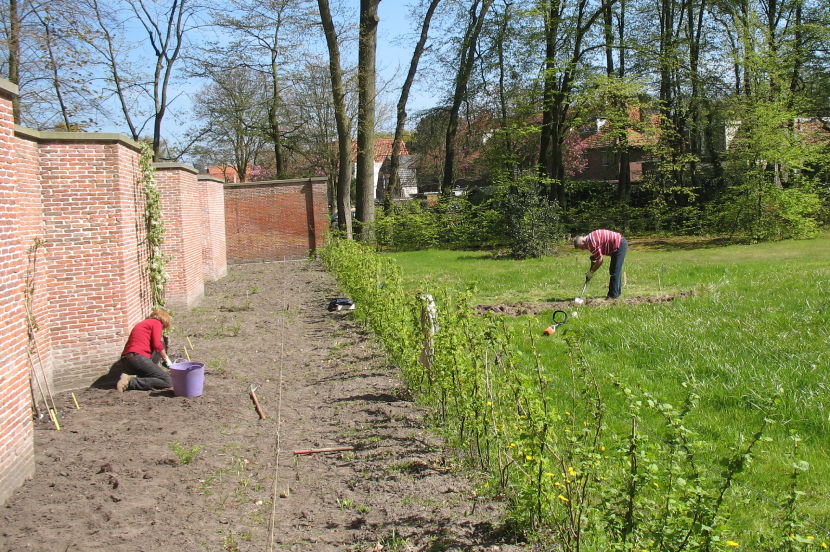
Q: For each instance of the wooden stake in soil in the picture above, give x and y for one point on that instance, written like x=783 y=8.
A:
x=325 y=449
x=76 y=402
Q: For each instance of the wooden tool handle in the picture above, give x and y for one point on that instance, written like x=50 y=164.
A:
x=256 y=404
x=327 y=449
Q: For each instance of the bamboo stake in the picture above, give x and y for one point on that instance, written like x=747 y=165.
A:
x=33 y=373
x=191 y=344
x=76 y=402
x=45 y=379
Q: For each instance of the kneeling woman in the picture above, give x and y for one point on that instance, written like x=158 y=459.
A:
x=141 y=372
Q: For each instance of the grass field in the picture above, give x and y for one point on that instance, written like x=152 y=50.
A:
x=759 y=322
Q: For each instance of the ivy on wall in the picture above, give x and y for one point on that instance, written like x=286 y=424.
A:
x=156 y=260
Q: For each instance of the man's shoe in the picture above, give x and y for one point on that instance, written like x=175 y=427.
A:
x=123 y=383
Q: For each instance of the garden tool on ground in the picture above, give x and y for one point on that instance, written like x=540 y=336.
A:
x=579 y=299
x=559 y=318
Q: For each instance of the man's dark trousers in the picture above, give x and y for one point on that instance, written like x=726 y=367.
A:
x=615 y=269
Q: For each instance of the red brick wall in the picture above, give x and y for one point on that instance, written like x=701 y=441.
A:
x=81 y=194
x=182 y=214
x=214 y=252
x=93 y=224
x=16 y=437
x=269 y=221
x=30 y=230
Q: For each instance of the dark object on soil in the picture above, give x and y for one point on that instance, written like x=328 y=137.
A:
x=340 y=303
x=327 y=449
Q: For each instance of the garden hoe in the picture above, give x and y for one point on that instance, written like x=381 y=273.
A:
x=579 y=299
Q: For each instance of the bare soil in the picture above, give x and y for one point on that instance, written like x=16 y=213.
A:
x=143 y=471
x=530 y=308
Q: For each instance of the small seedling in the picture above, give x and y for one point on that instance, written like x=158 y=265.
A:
x=185 y=456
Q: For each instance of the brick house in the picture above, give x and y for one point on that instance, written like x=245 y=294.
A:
x=603 y=163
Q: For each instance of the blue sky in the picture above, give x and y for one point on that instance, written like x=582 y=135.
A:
x=395 y=44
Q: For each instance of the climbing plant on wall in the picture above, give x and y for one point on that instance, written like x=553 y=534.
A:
x=156 y=260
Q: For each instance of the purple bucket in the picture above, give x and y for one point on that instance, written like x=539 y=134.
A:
x=188 y=378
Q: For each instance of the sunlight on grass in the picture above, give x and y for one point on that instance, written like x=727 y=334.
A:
x=760 y=321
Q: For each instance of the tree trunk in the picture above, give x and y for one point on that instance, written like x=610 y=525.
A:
x=466 y=62
x=394 y=187
x=273 y=119
x=367 y=47
x=344 y=142
x=557 y=100
x=14 y=55
x=624 y=186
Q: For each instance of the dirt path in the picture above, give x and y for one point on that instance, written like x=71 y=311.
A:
x=111 y=480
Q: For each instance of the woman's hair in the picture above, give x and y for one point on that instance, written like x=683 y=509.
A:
x=164 y=317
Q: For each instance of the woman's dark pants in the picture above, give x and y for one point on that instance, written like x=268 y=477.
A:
x=148 y=375
x=616 y=269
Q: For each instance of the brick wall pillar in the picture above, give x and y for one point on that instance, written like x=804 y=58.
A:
x=93 y=223
x=181 y=205
x=214 y=253
x=16 y=432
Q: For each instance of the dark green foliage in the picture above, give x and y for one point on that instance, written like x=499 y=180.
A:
x=531 y=222
x=455 y=223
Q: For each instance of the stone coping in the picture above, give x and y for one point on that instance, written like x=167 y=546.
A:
x=175 y=166
x=9 y=87
x=100 y=137
x=276 y=182
x=208 y=178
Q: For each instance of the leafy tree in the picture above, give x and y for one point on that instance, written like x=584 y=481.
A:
x=232 y=106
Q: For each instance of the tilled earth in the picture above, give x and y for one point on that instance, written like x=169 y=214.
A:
x=522 y=308
x=144 y=471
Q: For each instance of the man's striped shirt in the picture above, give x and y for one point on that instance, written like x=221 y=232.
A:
x=603 y=242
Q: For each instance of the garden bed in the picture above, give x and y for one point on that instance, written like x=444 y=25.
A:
x=151 y=471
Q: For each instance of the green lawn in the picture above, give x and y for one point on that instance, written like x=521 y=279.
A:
x=760 y=321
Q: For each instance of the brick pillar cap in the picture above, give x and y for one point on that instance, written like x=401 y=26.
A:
x=9 y=87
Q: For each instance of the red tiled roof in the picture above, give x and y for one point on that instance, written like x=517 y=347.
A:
x=228 y=173
x=383 y=149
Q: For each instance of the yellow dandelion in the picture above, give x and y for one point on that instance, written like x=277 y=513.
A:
x=489 y=403
x=571 y=470
x=811 y=537
x=528 y=458
x=567 y=413
x=732 y=543
x=562 y=498
x=550 y=474
x=824 y=545
x=656 y=485
x=602 y=449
